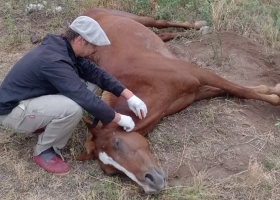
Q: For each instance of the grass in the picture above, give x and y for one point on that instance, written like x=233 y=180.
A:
x=216 y=50
x=203 y=135
x=257 y=19
x=277 y=124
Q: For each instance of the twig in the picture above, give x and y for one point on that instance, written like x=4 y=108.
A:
x=266 y=140
x=181 y=160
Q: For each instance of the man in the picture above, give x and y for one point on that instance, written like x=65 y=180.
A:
x=47 y=89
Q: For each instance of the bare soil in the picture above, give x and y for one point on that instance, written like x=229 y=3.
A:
x=220 y=136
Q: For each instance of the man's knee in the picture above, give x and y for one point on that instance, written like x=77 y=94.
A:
x=72 y=108
x=60 y=106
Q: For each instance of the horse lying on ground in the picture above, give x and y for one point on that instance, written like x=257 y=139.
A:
x=141 y=61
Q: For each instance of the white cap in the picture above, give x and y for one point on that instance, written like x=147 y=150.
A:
x=90 y=30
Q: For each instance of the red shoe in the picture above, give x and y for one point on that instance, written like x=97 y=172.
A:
x=55 y=165
x=39 y=131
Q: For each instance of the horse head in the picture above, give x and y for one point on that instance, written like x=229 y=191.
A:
x=120 y=152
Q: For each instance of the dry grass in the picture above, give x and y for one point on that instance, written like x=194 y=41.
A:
x=255 y=19
x=210 y=151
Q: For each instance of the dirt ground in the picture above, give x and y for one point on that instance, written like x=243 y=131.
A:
x=208 y=144
x=224 y=135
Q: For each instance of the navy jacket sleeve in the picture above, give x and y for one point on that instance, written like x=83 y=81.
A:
x=96 y=75
x=64 y=78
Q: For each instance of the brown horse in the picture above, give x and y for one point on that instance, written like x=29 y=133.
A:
x=141 y=61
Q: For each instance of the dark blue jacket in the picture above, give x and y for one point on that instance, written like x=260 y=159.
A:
x=52 y=68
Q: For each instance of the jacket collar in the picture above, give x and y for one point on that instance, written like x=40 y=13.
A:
x=71 y=53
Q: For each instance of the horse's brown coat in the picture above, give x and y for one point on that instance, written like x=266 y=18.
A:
x=141 y=61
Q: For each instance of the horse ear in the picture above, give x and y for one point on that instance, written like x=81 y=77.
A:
x=89 y=152
x=88 y=122
x=92 y=129
x=84 y=156
x=89 y=144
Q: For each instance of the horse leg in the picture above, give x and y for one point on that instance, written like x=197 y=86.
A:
x=169 y=36
x=151 y=22
x=208 y=78
x=160 y=24
x=205 y=92
x=240 y=91
x=263 y=89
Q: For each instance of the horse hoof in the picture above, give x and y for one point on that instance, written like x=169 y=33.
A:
x=199 y=24
x=187 y=25
x=277 y=89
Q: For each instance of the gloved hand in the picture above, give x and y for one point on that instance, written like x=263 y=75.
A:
x=137 y=106
x=126 y=122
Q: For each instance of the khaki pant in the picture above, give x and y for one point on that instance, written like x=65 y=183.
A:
x=58 y=114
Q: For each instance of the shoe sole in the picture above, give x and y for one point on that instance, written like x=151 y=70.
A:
x=54 y=173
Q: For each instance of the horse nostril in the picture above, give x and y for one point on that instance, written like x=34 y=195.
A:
x=150 y=177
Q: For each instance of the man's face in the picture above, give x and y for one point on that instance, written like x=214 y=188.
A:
x=85 y=49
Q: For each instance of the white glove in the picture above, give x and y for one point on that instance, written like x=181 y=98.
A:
x=137 y=106
x=126 y=122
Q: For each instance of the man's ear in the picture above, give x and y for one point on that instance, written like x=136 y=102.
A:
x=78 y=40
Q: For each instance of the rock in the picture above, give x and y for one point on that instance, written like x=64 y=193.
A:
x=199 y=24
x=34 y=39
x=33 y=7
x=205 y=30
x=40 y=6
x=57 y=9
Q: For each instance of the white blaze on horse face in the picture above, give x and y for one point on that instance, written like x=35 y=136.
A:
x=109 y=161
x=103 y=157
